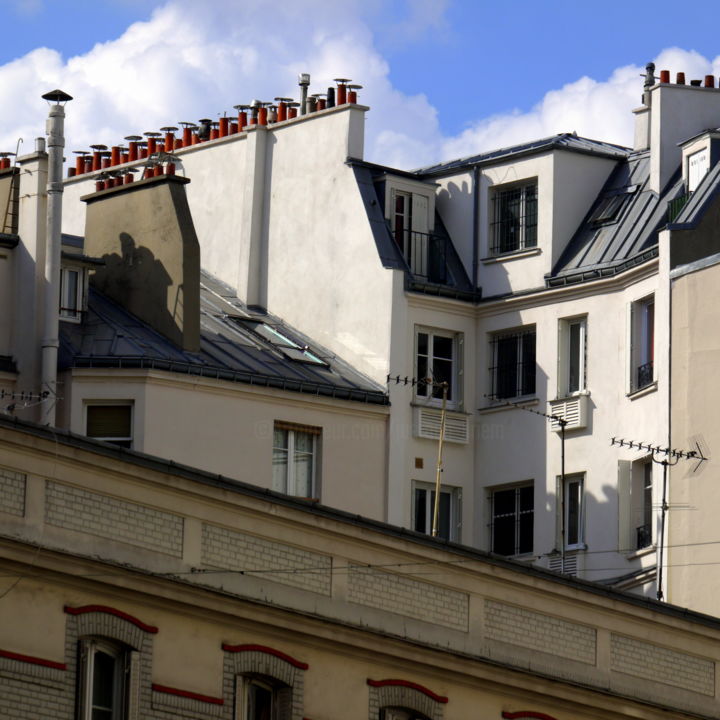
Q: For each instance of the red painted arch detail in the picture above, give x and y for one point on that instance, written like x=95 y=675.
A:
x=408 y=684
x=187 y=694
x=526 y=714
x=32 y=660
x=110 y=611
x=268 y=650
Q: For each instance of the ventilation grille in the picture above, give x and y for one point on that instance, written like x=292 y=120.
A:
x=556 y=564
x=573 y=410
x=427 y=425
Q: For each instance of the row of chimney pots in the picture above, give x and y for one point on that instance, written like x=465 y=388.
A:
x=260 y=113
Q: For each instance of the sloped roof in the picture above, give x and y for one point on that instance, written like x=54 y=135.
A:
x=563 y=141
x=236 y=344
x=621 y=228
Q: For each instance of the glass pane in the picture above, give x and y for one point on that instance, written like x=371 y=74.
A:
x=259 y=702
x=303 y=474
x=525 y=532
x=442 y=347
x=422 y=340
x=280 y=467
x=503 y=540
x=528 y=364
x=280 y=438
x=68 y=300
x=527 y=498
x=103 y=684
x=575 y=359
x=503 y=502
x=506 y=367
x=442 y=372
x=421 y=511
x=443 y=514
x=572 y=502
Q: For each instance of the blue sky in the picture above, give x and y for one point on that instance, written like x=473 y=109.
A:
x=443 y=78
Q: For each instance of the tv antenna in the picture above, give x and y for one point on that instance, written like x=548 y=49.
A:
x=667 y=457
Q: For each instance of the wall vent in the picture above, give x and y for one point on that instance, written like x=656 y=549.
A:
x=573 y=409
x=555 y=564
x=427 y=425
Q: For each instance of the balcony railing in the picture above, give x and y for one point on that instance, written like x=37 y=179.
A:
x=425 y=254
x=675 y=206
x=645 y=375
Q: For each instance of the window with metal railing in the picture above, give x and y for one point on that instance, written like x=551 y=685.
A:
x=512 y=366
x=515 y=218
x=425 y=254
x=642 y=351
x=511 y=530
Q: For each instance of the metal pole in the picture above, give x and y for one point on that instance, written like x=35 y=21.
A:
x=563 y=422
x=663 y=509
x=50 y=341
x=436 y=506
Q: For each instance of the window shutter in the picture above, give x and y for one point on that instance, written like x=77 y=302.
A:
x=624 y=502
x=420 y=219
x=108 y=421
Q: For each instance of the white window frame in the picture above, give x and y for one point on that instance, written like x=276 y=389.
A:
x=565 y=356
x=570 y=480
x=524 y=240
x=121 y=441
x=642 y=343
x=90 y=647
x=517 y=512
x=71 y=308
x=433 y=396
x=290 y=481
x=520 y=335
x=455 y=508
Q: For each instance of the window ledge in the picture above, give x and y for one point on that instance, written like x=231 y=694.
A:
x=518 y=403
x=514 y=255
x=571 y=396
x=427 y=406
x=642 y=552
x=572 y=549
x=635 y=394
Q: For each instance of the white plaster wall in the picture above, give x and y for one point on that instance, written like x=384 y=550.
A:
x=516 y=445
x=455 y=205
x=579 y=179
x=226 y=428
x=677 y=113
x=499 y=276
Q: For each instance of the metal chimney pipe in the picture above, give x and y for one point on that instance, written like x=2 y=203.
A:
x=304 y=83
x=330 y=102
x=352 y=93
x=53 y=240
x=342 y=90
x=133 y=141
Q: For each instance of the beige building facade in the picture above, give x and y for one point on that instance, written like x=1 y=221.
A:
x=193 y=596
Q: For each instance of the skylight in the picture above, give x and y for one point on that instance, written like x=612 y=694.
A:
x=287 y=346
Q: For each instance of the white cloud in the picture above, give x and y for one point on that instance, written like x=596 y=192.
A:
x=193 y=60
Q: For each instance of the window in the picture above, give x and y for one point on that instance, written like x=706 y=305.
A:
x=448 y=512
x=512 y=372
x=261 y=698
x=574 y=512
x=642 y=353
x=104 y=667
x=515 y=214
x=71 y=293
x=436 y=357
x=572 y=354
x=511 y=529
x=111 y=423
x=290 y=348
x=393 y=713
x=698 y=165
x=295 y=449
x=635 y=504
x=401 y=220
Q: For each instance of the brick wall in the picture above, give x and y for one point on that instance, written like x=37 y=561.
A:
x=12 y=492
x=536 y=631
x=651 y=662
x=416 y=599
x=278 y=562
x=75 y=509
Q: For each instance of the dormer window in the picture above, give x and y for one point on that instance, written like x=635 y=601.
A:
x=72 y=293
x=515 y=217
x=698 y=165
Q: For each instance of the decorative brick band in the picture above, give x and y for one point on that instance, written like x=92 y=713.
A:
x=187 y=694
x=269 y=651
x=526 y=714
x=32 y=660
x=110 y=611
x=407 y=684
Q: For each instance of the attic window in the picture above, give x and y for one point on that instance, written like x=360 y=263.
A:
x=288 y=347
x=611 y=205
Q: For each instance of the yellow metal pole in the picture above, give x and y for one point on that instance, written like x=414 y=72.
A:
x=436 y=507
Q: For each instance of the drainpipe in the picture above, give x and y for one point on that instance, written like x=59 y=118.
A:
x=476 y=225
x=50 y=342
